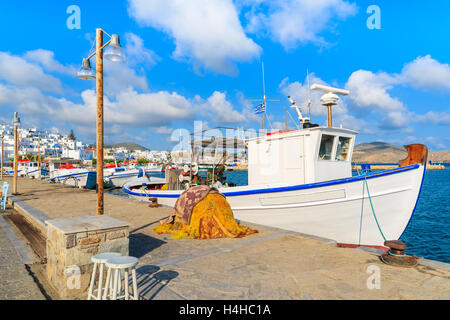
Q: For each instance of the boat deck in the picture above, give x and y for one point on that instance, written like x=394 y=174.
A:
x=272 y=264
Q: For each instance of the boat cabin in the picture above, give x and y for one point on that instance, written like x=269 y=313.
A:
x=25 y=164
x=301 y=156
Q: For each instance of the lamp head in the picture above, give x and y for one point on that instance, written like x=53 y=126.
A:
x=114 y=51
x=86 y=72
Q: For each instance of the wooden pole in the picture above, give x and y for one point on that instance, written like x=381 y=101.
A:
x=39 y=153
x=16 y=152
x=99 y=84
x=262 y=123
x=330 y=120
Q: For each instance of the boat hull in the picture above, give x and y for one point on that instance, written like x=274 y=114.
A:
x=74 y=177
x=37 y=173
x=118 y=179
x=335 y=209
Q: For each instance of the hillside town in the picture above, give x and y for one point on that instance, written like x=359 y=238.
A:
x=56 y=146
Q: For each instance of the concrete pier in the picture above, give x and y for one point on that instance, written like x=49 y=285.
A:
x=272 y=264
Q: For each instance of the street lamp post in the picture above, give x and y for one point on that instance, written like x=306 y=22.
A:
x=114 y=53
x=16 y=150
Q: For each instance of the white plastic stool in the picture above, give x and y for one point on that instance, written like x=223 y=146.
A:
x=99 y=260
x=113 y=282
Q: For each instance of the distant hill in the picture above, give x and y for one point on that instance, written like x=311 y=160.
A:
x=381 y=152
x=126 y=145
x=378 y=152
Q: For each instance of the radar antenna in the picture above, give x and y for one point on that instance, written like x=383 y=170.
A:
x=330 y=98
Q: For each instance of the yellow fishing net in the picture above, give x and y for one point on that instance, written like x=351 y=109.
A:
x=211 y=218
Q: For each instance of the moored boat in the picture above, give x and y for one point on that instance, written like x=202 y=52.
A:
x=153 y=167
x=73 y=176
x=117 y=177
x=301 y=180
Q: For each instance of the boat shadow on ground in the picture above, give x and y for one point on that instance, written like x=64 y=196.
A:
x=151 y=281
x=141 y=244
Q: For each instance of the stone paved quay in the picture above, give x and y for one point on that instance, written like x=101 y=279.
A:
x=15 y=281
x=273 y=264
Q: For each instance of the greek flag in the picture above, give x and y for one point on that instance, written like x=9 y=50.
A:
x=260 y=109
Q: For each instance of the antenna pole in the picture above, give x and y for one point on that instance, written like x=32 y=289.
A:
x=309 y=94
x=264 y=96
x=262 y=123
x=285 y=119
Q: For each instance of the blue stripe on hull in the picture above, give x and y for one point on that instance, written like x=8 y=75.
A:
x=71 y=175
x=293 y=188
x=122 y=176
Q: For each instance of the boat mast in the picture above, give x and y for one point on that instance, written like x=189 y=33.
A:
x=264 y=97
x=309 y=94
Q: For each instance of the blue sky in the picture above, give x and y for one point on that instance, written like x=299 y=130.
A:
x=201 y=60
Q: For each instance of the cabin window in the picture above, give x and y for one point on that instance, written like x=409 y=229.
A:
x=343 y=148
x=326 y=147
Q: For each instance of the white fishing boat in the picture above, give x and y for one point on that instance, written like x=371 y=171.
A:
x=301 y=180
x=117 y=177
x=153 y=167
x=72 y=176
x=32 y=169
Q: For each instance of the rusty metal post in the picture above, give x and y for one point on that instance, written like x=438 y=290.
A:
x=16 y=152
x=99 y=84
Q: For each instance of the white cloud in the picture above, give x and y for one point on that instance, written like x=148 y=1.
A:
x=164 y=130
x=46 y=59
x=125 y=110
x=120 y=76
x=433 y=117
x=18 y=71
x=426 y=73
x=293 y=22
x=369 y=94
x=248 y=110
x=218 y=108
x=370 y=90
x=207 y=33
x=137 y=53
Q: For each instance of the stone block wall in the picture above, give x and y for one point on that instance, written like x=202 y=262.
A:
x=69 y=252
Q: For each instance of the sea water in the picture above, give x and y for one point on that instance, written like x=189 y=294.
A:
x=428 y=232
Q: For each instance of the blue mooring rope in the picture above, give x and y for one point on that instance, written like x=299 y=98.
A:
x=364 y=173
x=396 y=255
